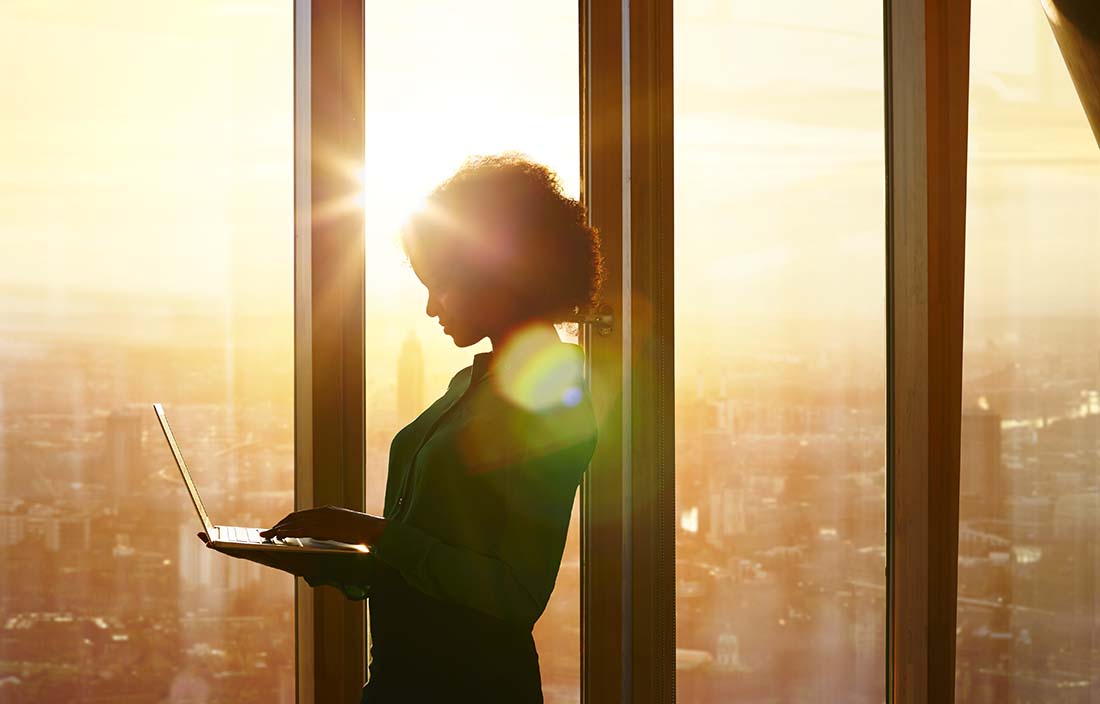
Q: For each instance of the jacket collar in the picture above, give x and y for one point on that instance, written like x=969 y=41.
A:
x=480 y=367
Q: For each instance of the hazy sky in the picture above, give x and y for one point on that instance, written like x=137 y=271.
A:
x=137 y=137
x=147 y=146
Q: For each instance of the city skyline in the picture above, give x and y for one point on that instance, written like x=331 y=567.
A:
x=148 y=230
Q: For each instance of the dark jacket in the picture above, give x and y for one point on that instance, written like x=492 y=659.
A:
x=478 y=500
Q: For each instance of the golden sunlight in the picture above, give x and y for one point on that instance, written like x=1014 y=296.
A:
x=537 y=375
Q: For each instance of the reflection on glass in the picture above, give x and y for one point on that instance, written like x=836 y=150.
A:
x=445 y=81
x=1029 y=532
x=780 y=401
x=146 y=231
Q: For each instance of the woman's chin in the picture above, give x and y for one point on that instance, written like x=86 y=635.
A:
x=461 y=340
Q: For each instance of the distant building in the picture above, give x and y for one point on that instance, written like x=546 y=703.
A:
x=981 y=475
x=1077 y=542
x=122 y=459
x=866 y=630
x=203 y=569
x=58 y=529
x=410 y=379
x=68 y=533
x=729 y=653
x=727 y=513
x=13 y=526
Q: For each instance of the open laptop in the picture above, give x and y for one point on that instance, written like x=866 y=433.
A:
x=242 y=539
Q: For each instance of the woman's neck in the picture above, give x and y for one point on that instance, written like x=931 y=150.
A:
x=534 y=333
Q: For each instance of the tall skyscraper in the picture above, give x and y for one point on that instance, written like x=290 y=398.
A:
x=122 y=460
x=410 y=379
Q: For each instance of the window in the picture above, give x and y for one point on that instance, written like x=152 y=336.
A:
x=780 y=340
x=445 y=81
x=1029 y=541
x=146 y=229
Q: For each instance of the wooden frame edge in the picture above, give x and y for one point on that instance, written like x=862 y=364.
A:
x=604 y=659
x=927 y=70
x=629 y=549
x=329 y=325
x=651 y=372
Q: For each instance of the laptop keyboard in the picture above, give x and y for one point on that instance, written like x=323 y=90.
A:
x=236 y=534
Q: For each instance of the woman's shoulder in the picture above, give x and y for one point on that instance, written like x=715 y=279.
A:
x=544 y=406
x=546 y=382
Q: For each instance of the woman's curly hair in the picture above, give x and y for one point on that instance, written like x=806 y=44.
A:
x=504 y=219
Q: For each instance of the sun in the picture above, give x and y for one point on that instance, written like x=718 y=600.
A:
x=408 y=152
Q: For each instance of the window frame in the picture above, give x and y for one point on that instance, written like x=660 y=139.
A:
x=628 y=514
x=602 y=583
x=627 y=177
x=329 y=329
x=927 y=51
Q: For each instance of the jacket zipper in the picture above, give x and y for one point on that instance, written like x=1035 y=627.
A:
x=406 y=485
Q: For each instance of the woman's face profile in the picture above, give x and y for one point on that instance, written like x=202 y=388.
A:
x=467 y=308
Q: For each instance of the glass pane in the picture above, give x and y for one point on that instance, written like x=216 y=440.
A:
x=445 y=81
x=1029 y=537
x=146 y=230
x=780 y=340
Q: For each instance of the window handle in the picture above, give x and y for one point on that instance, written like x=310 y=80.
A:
x=601 y=319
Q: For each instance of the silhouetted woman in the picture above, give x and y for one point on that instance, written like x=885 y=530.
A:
x=481 y=485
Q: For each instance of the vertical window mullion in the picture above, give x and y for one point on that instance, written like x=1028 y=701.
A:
x=927 y=54
x=329 y=324
x=650 y=370
x=628 y=554
x=602 y=663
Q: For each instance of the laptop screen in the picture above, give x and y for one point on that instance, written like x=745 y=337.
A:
x=206 y=524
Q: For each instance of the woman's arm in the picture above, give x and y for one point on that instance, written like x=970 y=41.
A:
x=458 y=575
x=541 y=464
x=349 y=573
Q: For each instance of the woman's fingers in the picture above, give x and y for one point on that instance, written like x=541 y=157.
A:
x=299 y=515
x=299 y=532
x=280 y=524
x=287 y=520
x=292 y=516
x=307 y=523
x=300 y=528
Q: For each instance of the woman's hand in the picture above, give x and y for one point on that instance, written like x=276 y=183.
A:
x=329 y=523
x=313 y=566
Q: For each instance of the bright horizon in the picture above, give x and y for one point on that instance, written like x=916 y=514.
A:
x=94 y=174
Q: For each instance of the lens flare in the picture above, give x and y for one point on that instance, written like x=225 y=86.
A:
x=536 y=372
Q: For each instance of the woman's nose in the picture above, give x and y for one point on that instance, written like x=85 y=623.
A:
x=433 y=308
